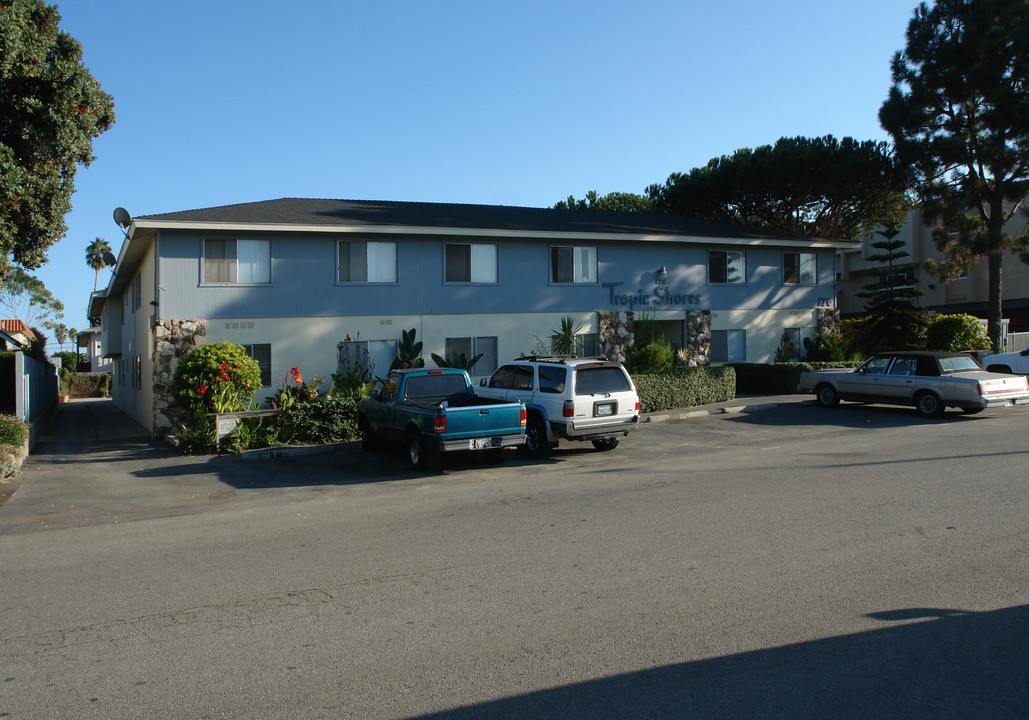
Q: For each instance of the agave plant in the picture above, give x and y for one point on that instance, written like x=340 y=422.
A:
x=565 y=340
x=457 y=360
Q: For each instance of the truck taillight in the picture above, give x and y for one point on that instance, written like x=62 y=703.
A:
x=524 y=417
x=569 y=409
x=439 y=425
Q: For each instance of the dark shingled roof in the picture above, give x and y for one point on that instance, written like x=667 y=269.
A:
x=365 y=213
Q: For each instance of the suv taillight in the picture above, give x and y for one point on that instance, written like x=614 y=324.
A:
x=637 y=405
x=569 y=409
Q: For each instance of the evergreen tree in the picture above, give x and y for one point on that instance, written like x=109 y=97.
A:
x=958 y=111
x=895 y=319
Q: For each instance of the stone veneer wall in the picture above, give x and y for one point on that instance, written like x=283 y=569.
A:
x=172 y=340
x=828 y=320
x=617 y=331
x=698 y=338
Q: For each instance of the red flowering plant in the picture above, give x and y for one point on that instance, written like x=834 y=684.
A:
x=293 y=389
x=218 y=377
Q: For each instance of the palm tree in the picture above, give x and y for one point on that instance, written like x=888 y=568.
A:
x=95 y=257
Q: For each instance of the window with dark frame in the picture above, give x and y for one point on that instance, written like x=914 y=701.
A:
x=799 y=268
x=237 y=261
x=726 y=267
x=470 y=263
x=366 y=262
x=261 y=353
x=573 y=264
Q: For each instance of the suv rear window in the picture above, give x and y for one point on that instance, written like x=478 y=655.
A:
x=591 y=380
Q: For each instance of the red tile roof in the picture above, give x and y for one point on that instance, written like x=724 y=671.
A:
x=16 y=326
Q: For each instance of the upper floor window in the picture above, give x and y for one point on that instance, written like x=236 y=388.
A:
x=798 y=268
x=726 y=267
x=470 y=263
x=573 y=264
x=237 y=261
x=372 y=262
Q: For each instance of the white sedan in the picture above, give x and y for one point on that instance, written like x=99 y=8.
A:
x=930 y=381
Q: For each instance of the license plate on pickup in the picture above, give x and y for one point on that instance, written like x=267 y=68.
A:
x=605 y=409
x=483 y=443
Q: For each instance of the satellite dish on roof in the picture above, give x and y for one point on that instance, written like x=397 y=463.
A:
x=122 y=217
x=109 y=259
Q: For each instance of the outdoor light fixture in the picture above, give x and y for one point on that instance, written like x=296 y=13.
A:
x=662 y=274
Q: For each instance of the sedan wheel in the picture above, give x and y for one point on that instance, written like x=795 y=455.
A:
x=827 y=396
x=929 y=405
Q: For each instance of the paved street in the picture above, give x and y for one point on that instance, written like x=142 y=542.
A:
x=791 y=562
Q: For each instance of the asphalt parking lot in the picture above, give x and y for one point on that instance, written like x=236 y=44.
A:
x=782 y=562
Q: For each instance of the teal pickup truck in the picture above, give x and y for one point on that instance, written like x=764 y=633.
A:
x=435 y=411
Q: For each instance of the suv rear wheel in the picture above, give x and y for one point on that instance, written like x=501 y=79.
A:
x=536 y=443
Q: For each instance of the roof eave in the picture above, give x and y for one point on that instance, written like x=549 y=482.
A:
x=500 y=233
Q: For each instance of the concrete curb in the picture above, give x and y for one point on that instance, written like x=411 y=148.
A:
x=693 y=414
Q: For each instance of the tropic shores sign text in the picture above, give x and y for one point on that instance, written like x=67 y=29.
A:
x=661 y=298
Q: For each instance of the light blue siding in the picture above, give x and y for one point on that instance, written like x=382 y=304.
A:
x=303 y=280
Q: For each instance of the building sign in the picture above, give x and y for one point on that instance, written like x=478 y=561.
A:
x=660 y=298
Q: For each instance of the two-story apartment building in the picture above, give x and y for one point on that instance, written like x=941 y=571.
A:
x=301 y=282
x=966 y=294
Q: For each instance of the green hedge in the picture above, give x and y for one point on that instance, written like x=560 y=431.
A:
x=775 y=378
x=685 y=387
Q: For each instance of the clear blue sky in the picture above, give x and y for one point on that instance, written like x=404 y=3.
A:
x=224 y=101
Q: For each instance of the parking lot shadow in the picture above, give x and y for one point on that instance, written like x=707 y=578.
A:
x=931 y=664
x=857 y=415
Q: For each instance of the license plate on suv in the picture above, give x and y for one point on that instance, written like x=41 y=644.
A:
x=605 y=409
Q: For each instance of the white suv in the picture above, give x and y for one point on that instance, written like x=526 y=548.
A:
x=583 y=399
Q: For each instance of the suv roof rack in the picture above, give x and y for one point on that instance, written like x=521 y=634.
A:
x=559 y=358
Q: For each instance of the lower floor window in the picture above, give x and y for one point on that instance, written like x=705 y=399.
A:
x=728 y=346
x=586 y=344
x=262 y=355
x=472 y=346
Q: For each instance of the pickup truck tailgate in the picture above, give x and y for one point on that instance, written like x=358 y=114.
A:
x=476 y=421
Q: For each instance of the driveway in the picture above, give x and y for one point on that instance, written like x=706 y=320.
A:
x=94 y=465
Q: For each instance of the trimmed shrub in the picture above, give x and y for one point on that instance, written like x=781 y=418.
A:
x=326 y=420
x=685 y=387
x=654 y=357
x=776 y=378
x=956 y=333
x=215 y=373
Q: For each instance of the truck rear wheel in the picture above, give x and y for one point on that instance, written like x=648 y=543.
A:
x=416 y=452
